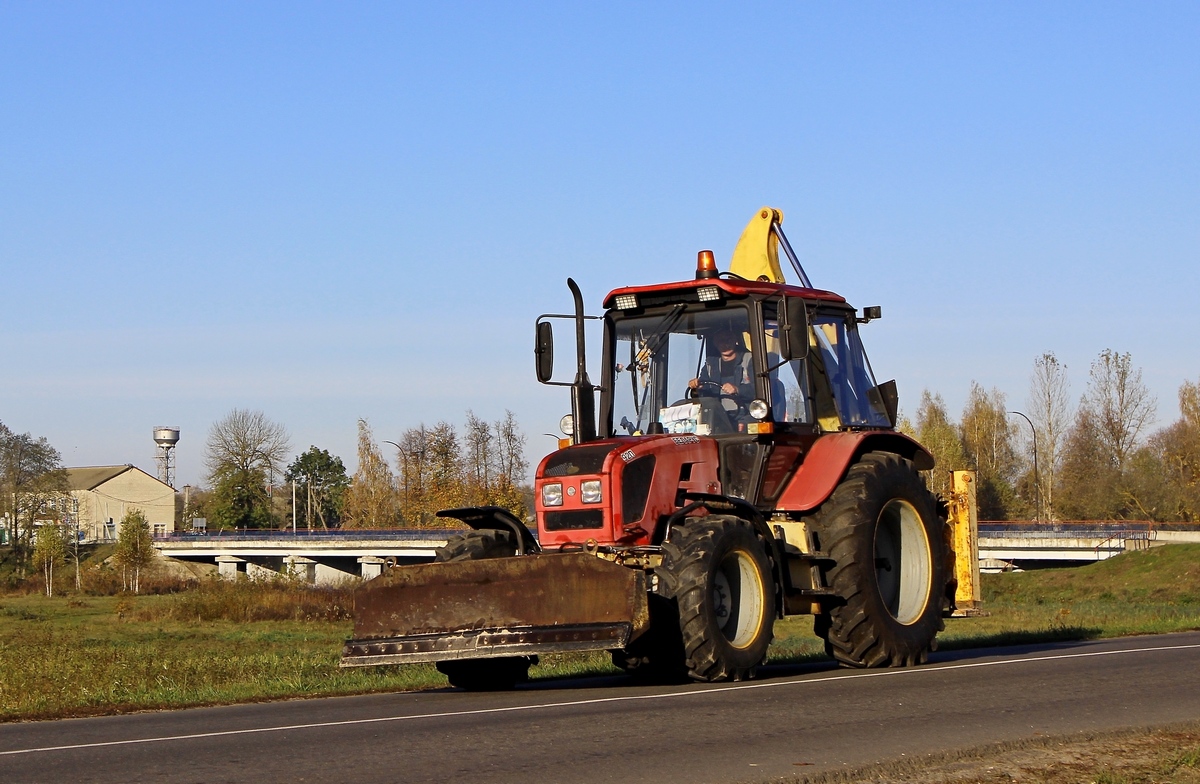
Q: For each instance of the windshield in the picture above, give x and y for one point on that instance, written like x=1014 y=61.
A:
x=840 y=359
x=690 y=370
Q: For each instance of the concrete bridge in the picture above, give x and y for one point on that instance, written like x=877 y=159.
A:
x=1005 y=545
x=320 y=557
x=325 y=557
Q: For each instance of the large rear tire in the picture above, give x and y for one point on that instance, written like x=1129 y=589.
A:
x=717 y=570
x=498 y=674
x=885 y=538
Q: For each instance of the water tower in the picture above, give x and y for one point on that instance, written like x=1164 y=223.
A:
x=166 y=438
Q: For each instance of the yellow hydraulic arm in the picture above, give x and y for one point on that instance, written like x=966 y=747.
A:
x=756 y=256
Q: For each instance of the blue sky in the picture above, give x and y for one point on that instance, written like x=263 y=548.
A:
x=333 y=211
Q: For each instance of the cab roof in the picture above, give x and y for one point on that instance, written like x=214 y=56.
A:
x=735 y=287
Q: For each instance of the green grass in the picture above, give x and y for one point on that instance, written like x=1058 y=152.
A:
x=222 y=643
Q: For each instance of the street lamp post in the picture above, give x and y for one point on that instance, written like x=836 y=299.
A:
x=1037 y=480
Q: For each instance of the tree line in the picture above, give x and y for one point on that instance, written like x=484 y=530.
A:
x=1096 y=458
x=437 y=468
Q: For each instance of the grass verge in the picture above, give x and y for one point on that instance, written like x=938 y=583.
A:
x=223 y=643
x=1161 y=754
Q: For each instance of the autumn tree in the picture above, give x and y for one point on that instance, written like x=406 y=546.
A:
x=324 y=479
x=31 y=477
x=1163 y=479
x=415 y=478
x=940 y=436
x=135 y=548
x=372 y=499
x=445 y=467
x=987 y=437
x=244 y=453
x=48 y=551
x=1049 y=409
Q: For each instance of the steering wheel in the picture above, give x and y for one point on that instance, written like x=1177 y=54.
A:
x=704 y=389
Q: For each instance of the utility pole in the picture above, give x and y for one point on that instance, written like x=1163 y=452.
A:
x=1037 y=480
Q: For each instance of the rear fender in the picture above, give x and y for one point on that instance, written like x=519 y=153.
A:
x=495 y=518
x=832 y=455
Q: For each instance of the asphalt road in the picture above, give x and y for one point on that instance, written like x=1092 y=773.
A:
x=792 y=720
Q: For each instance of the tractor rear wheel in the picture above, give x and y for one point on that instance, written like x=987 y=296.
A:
x=498 y=674
x=885 y=538
x=717 y=570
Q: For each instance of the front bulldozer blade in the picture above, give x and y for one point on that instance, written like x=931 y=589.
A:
x=517 y=606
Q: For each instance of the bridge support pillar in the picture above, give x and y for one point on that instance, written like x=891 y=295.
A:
x=372 y=566
x=301 y=567
x=228 y=566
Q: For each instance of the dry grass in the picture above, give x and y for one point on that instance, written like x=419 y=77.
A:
x=1163 y=754
x=232 y=642
x=246 y=601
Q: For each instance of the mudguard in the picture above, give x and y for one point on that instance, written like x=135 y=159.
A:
x=830 y=457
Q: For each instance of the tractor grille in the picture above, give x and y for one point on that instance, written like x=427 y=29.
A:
x=574 y=520
x=635 y=488
x=577 y=460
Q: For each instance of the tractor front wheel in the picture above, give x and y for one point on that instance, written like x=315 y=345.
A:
x=717 y=570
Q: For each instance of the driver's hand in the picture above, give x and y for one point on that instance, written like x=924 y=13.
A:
x=729 y=389
x=694 y=383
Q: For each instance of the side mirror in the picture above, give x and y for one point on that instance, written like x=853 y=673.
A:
x=543 y=351
x=870 y=313
x=793 y=329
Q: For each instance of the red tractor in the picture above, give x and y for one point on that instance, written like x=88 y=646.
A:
x=743 y=466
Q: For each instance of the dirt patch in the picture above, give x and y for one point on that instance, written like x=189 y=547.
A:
x=1165 y=754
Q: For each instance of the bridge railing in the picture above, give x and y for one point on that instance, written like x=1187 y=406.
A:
x=341 y=534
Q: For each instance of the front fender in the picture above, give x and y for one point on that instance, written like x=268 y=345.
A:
x=832 y=455
x=483 y=518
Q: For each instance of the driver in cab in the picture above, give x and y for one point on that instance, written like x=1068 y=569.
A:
x=728 y=373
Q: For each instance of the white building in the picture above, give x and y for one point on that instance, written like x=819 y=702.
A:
x=105 y=493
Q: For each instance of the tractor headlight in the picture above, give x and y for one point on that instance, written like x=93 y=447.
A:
x=627 y=301
x=567 y=425
x=552 y=494
x=758 y=409
x=589 y=491
x=708 y=294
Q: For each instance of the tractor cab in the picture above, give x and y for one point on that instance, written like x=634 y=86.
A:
x=732 y=357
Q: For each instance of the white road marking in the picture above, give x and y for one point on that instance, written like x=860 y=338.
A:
x=602 y=700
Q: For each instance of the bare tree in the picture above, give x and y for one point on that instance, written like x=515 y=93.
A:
x=1120 y=405
x=510 y=446
x=246 y=442
x=480 y=458
x=243 y=454
x=372 y=500
x=414 y=475
x=1049 y=408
